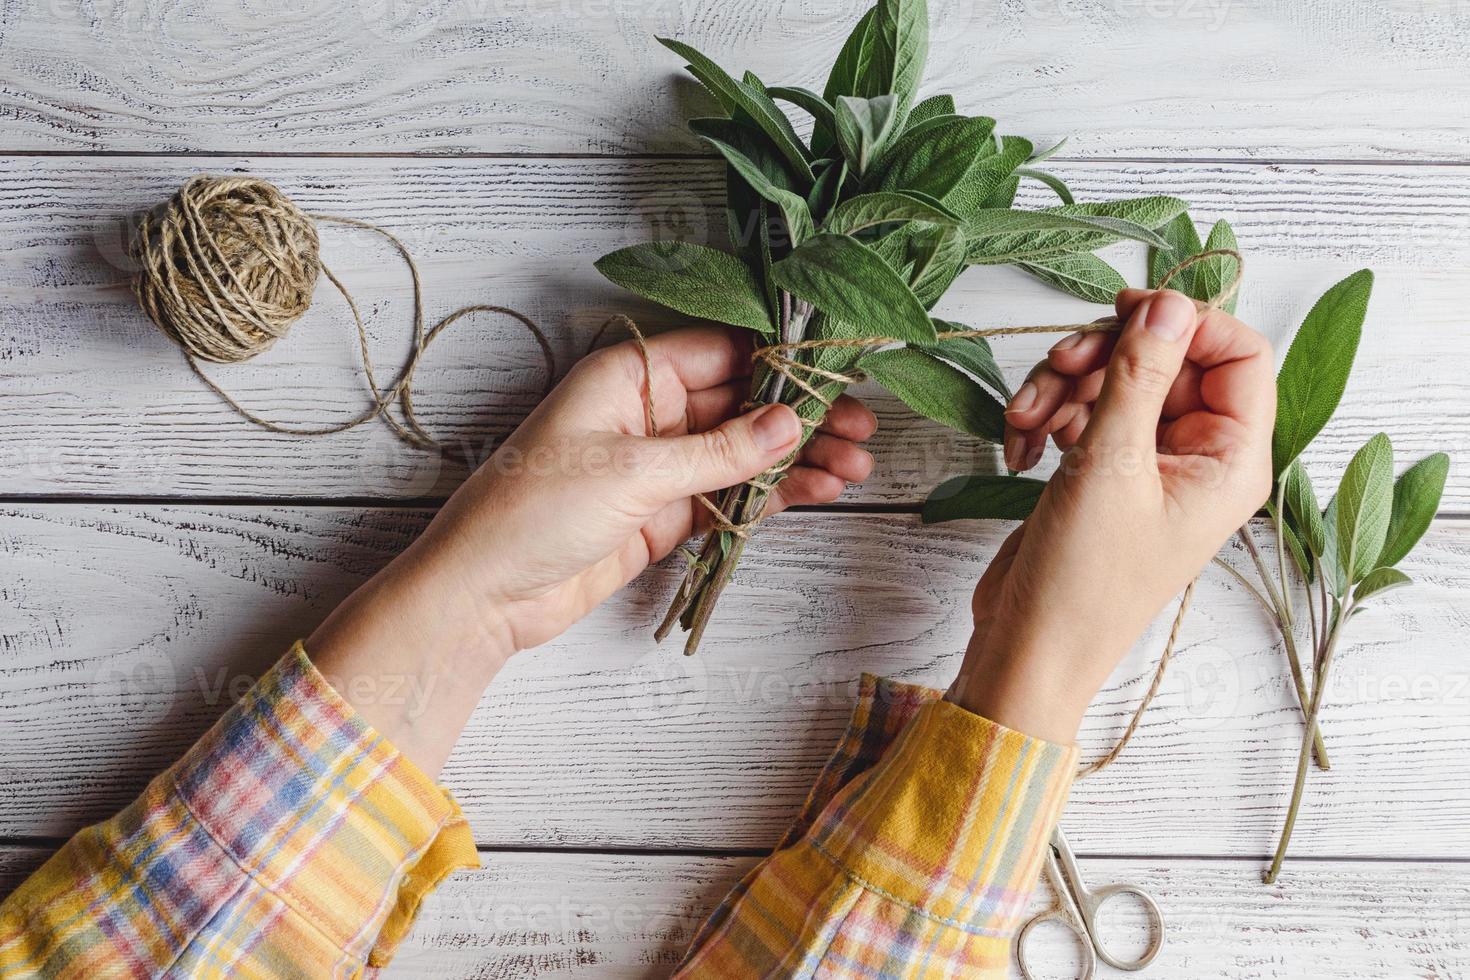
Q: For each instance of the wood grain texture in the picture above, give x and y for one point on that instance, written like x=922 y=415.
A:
x=562 y=916
x=1323 y=79
x=97 y=402
x=126 y=630
x=600 y=917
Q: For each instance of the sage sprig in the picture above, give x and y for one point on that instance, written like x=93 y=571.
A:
x=1339 y=557
x=856 y=233
x=1329 y=561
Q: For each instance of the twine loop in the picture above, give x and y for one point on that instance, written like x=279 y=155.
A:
x=227 y=266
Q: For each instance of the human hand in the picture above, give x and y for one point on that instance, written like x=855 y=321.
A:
x=573 y=505
x=579 y=500
x=1166 y=433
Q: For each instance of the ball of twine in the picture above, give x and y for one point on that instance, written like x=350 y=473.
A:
x=226 y=267
x=229 y=264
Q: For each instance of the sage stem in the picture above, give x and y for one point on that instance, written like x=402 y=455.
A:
x=1280 y=521
x=1288 y=641
x=1305 y=758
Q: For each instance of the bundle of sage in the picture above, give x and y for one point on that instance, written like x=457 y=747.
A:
x=1329 y=562
x=843 y=243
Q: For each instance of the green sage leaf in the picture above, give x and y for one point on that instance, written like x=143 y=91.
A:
x=1204 y=280
x=1079 y=274
x=937 y=390
x=1315 y=372
x=695 y=280
x=1213 y=274
x=1150 y=212
x=937 y=255
x=743 y=148
x=935 y=157
x=863 y=128
x=852 y=284
x=973 y=354
x=1380 y=580
x=983 y=497
x=886 y=207
x=1330 y=563
x=1296 y=550
x=826 y=192
x=1183 y=242
x=1003 y=236
x=992 y=182
x=935 y=105
x=1364 y=506
x=1301 y=504
x=1416 y=497
x=824 y=118
x=900 y=45
x=1003 y=196
x=1057 y=185
x=749 y=99
x=851 y=66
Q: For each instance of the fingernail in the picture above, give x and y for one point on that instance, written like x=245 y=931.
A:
x=1024 y=399
x=1067 y=343
x=1169 y=315
x=1015 y=449
x=776 y=427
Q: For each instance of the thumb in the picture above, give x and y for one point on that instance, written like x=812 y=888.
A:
x=734 y=452
x=1144 y=365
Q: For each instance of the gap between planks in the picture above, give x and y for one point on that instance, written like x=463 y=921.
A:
x=1445 y=163
x=54 y=843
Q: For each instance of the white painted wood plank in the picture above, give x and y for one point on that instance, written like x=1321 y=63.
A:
x=613 y=917
x=97 y=402
x=1335 y=79
x=576 y=916
x=126 y=630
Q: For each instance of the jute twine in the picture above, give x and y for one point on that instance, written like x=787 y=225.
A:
x=808 y=378
x=229 y=264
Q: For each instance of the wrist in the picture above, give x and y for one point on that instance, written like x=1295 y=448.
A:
x=1027 y=687
x=412 y=652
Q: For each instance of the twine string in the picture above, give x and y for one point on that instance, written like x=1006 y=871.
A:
x=229 y=264
x=777 y=357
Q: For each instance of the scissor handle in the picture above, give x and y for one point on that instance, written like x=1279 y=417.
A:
x=1090 y=901
x=1059 y=914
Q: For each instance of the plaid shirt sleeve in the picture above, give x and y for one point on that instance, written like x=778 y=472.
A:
x=292 y=840
x=914 y=855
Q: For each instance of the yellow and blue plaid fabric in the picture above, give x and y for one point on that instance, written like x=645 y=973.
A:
x=293 y=840
x=914 y=855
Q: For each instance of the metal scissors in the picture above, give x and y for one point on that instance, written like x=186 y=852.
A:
x=1076 y=908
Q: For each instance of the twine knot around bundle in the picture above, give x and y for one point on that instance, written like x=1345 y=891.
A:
x=784 y=359
x=229 y=264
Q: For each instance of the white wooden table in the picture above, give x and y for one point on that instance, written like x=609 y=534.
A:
x=156 y=552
